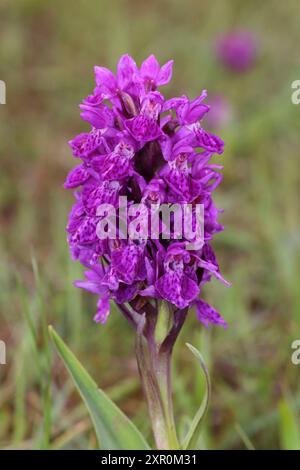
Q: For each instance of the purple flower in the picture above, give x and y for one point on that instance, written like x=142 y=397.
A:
x=153 y=75
x=85 y=144
x=105 y=192
x=154 y=192
x=206 y=314
x=237 y=50
x=209 y=142
x=99 y=117
x=178 y=177
x=188 y=112
x=143 y=128
x=220 y=114
x=128 y=264
x=117 y=165
x=93 y=284
x=93 y=281
x=127 y=79
x=77 y=177
x=152 y=151
x=102 y=309
x=176 y=284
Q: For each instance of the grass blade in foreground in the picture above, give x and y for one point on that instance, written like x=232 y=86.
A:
x=114 y=430
x=289 y=431
x=192 y=437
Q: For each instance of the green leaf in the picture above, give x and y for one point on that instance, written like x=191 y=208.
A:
x=288 y=427
x=248 y=444
x=113 y=429
x=191 y=439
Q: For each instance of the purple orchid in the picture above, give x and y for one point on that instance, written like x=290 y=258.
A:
x=237 y=50
x=154 y=151
x=149 y=152
x=220 y=114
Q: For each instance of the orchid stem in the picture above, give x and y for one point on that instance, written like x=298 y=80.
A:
x=154 y=363
x=163 y=372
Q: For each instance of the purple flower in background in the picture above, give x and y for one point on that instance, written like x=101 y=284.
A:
x=220 y=113
x=237 y=50
x=152 y=151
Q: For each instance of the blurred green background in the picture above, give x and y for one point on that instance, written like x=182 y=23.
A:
x=47 y=54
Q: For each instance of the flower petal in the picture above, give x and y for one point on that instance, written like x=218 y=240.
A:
x=102 y=310
x=207 y=314
x=165 y=73
x=76 y=177
x=150 y=68
x=126 y=71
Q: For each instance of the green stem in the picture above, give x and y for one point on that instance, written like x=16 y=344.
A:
x=155 y=372
x=163 y=367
